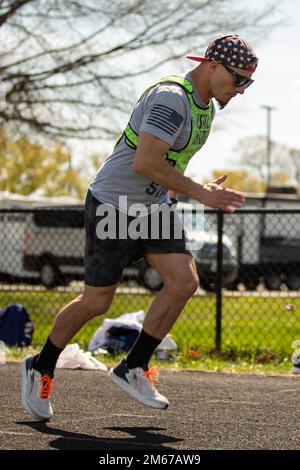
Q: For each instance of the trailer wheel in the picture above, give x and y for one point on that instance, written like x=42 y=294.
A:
x=273 y=282
x=207 y=286
x=51 y=276
x=250 y=283
x=150 y=278
x=293 y=281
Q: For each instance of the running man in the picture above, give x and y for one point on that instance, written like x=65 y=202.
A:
x=169 y=124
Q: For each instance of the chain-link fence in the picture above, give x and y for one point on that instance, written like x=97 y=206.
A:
x=248 y=265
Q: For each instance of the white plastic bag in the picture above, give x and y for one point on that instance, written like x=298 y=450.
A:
x=167 y=344
x=73 y=357
x=129 y=320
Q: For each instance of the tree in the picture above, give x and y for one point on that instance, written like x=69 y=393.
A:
x=285 y=162
x=27 y=166
x=68 y=68
x=250 y=155
x=281 y=178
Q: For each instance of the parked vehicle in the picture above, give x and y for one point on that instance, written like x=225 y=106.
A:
x=268 y=245
x=54 y=247
x=15 y=226
x=12 y=231
x=47 y=245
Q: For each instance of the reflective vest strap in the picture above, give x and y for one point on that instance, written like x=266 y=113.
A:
x=131 y=138
x=179 y=80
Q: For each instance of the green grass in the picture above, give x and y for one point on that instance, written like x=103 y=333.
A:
x=182 y=361
x=254 y=329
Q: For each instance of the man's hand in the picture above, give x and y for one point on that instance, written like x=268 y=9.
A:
x=215 y=196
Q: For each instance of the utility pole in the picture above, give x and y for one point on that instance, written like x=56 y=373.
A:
x=269 y=109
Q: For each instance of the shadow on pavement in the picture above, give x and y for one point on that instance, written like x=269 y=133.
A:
x=141 y=438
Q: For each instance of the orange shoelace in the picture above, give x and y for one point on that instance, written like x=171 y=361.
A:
x=46 y=387
x=152 y=375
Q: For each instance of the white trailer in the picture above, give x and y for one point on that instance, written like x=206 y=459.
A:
x=13 y=225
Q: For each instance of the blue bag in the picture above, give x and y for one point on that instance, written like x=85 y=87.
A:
x=16 y=327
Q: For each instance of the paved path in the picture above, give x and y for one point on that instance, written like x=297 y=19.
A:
x=207 y=411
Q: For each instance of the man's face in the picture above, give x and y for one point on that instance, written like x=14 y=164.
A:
x=223 y=83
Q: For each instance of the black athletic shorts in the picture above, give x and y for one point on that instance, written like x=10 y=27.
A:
x=105 y=259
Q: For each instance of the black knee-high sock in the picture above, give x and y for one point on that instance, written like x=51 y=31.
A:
x=142 y=350
x=47 y=359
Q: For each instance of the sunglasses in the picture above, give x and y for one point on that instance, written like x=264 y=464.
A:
x=239 y=79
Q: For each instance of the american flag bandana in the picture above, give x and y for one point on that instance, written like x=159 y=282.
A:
x=230 y=50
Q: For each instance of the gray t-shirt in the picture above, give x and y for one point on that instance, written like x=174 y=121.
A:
x=164 y=112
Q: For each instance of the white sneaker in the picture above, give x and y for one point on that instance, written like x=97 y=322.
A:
x=139 y=384
x=36 y=391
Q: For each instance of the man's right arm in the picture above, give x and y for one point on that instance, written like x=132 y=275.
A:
x=149 y=162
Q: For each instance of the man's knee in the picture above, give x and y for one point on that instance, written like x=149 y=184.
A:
x=94 y=307
x=97 y=302
x=184 y=286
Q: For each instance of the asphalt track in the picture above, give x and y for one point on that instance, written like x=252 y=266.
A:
x=207 y=411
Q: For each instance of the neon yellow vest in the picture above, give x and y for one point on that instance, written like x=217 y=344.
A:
x=200 y=127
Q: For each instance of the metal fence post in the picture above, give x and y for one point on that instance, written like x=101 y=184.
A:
x=219 y=281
